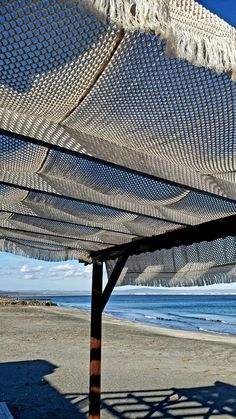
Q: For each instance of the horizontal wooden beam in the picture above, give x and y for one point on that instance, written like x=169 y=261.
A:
x=63 y=149
x=208 y=231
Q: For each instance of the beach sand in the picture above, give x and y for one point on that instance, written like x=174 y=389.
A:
x=146 y=372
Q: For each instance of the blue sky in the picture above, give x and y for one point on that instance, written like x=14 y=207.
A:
x=226 y=9
x=20 y=273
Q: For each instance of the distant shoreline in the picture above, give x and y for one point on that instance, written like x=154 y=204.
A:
x=214 y=289
x=88 y=294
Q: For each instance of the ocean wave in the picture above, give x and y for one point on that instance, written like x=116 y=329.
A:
x=209 y=319
x=213 y=331
x=209 y=315
x=167 y=319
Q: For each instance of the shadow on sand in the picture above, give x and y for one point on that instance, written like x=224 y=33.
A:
x=218 y=400
x=28 y=394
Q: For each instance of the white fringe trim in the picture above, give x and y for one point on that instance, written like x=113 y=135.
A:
x=182 y=266
x=52 y=255
x=191 y=32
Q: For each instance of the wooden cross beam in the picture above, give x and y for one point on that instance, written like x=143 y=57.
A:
x=186 y=236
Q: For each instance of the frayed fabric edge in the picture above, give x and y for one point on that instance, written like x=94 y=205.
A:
x=56 y=255
x=185 y=36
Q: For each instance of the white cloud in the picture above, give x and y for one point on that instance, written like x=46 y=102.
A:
x=52 y=274
x=75 y=272
x=65 y=267
x=28 y=276
x=69 y=273
x=16 y=274
x=67 y=270
x=29 y=269
x=61 y=271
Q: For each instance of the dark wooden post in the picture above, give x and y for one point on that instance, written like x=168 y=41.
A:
x=99 y=300
x=95 y=342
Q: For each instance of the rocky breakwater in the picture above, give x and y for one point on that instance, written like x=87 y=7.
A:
x=8 y=301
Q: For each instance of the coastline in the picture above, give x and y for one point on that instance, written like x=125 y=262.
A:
x=207 y=316
x=44 y=365
x=176 y=333
x=164 y=331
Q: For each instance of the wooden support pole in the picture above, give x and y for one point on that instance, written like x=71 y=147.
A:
x=99 y=300
x=95 y=342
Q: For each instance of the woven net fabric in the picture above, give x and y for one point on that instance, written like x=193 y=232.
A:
x=26 y=248
x=175 y=106
x=200 y=264
x=51 y=51
x=106 y=138
x=191 y=31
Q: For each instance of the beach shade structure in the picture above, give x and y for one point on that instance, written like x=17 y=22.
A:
x=117 y=139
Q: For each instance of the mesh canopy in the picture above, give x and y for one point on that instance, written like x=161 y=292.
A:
x=106 y=139
x=199 y=264
x=51 y=52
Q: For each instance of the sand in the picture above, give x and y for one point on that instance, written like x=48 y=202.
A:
x=147 y=372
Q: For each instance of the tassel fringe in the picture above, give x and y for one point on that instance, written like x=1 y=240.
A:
x=191 y=32
x=52 y=255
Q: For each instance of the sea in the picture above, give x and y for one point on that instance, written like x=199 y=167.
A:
x=200 y=313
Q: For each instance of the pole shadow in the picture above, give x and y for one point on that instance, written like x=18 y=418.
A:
x=216 y=401
x=29 y=395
